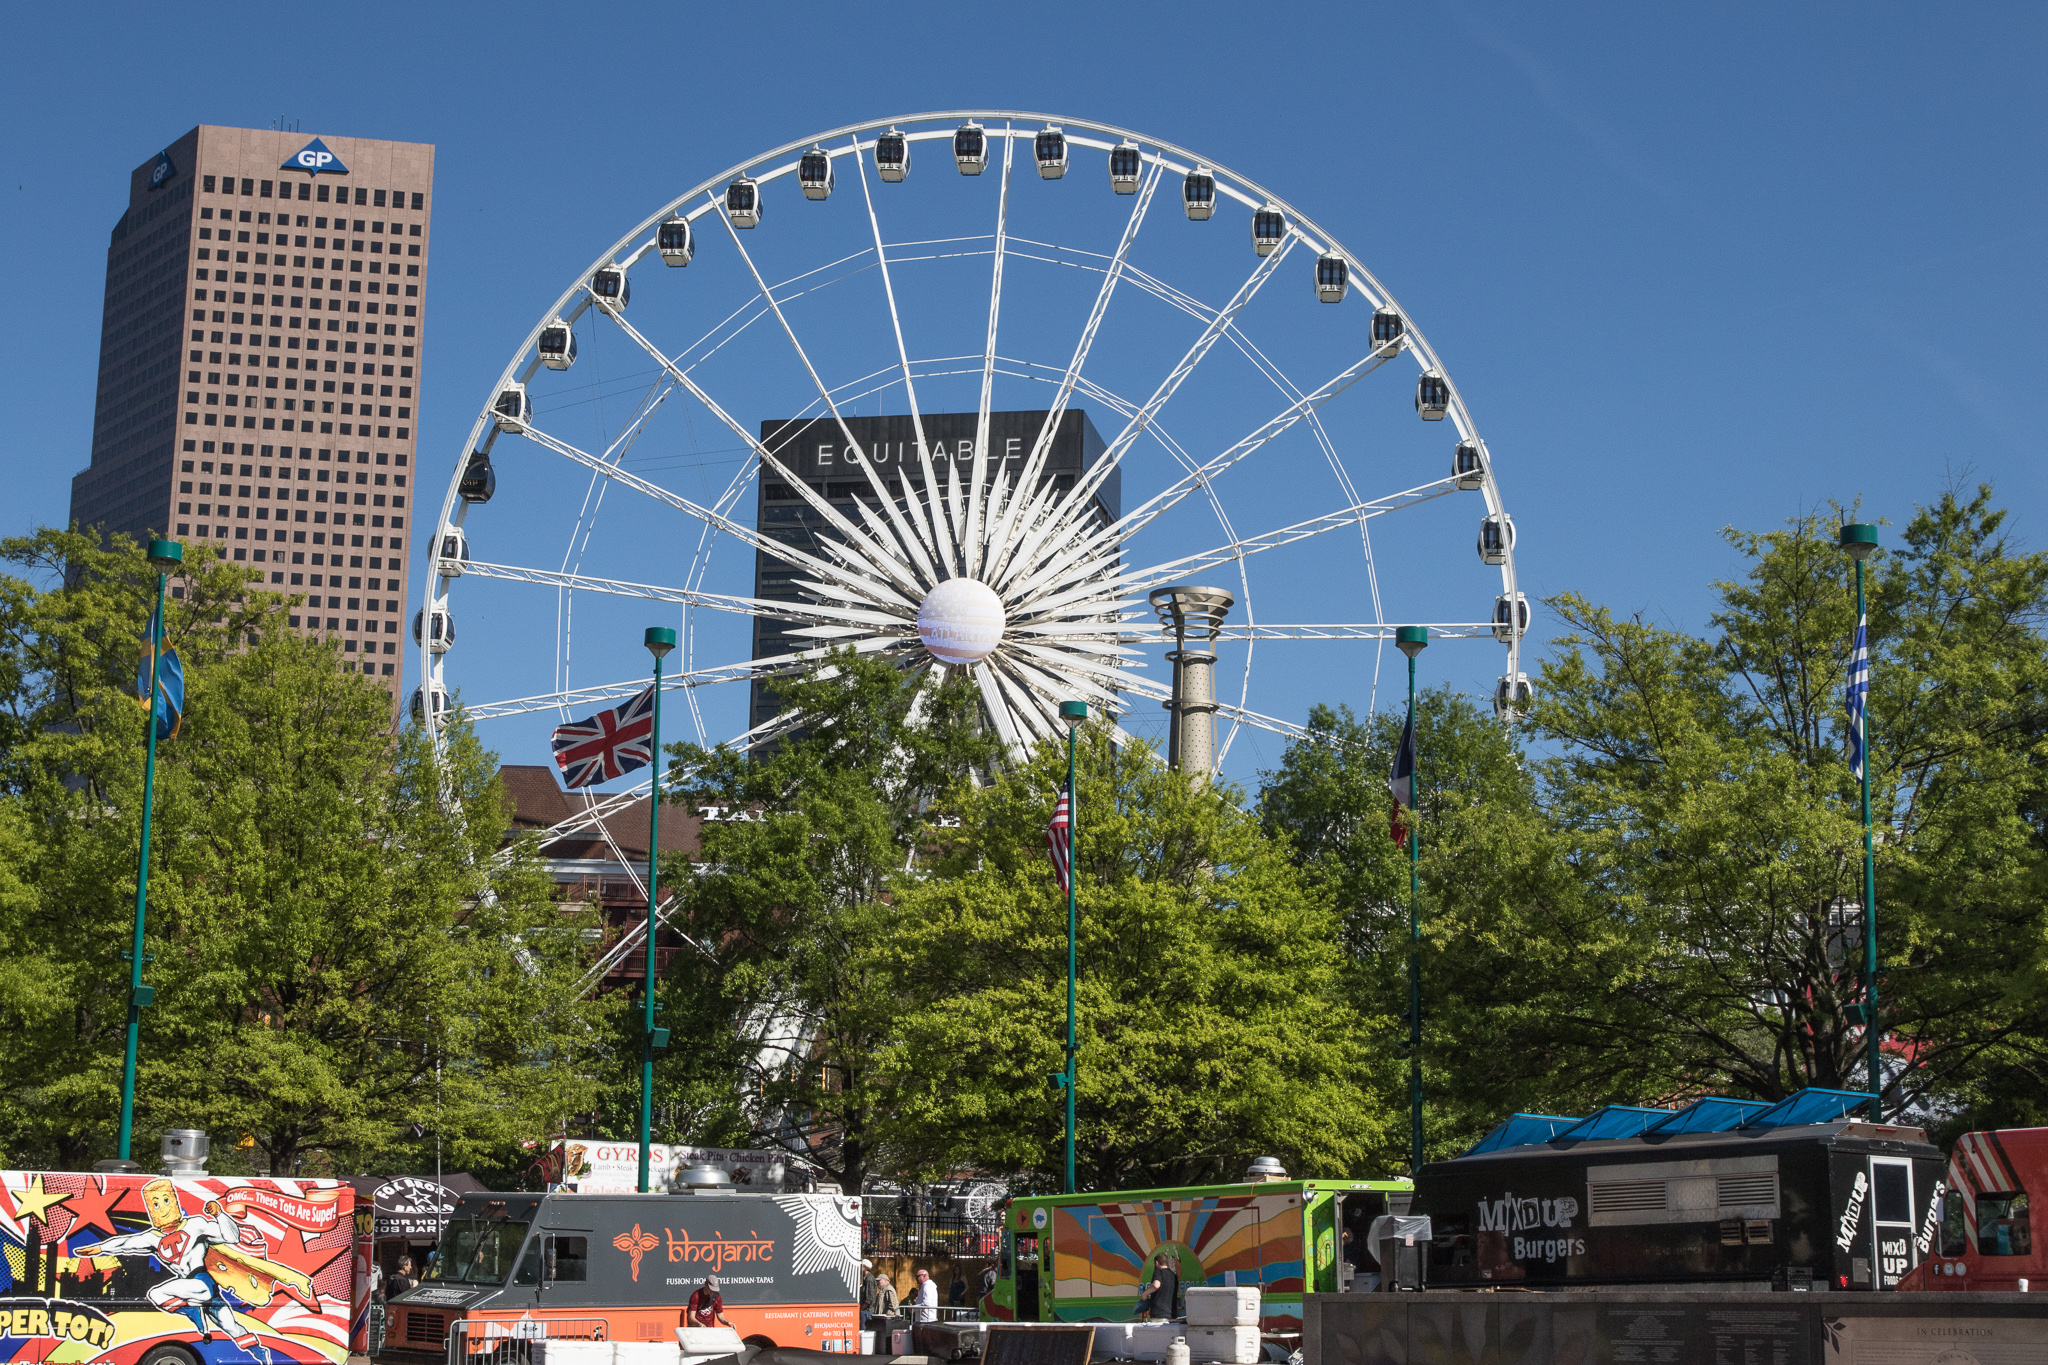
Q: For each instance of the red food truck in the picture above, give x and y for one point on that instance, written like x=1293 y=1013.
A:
x=186 y=1270
x=1981 y=1233
x=621 y=1268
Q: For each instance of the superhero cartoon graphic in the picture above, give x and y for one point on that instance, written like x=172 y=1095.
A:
x=210 y=1257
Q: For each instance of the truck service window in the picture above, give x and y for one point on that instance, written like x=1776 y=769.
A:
x=478 y=1251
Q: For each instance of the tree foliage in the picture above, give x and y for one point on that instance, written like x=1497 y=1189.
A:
x=336 y=950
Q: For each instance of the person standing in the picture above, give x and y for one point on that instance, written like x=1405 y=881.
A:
x=927 y=1301
x=956 y=1292
x=1161 y=1290
x=400 y=1279
x=707 y=1306
x=877 y=1294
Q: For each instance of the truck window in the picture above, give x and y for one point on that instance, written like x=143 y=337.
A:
x=2002 y=1227
x=568 y=1259
x=475 y=1251
x=1955 y=1240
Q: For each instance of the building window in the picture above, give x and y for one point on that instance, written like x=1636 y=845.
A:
x=206 y=182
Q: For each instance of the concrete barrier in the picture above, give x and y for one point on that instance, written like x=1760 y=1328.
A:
x=1623 y=1327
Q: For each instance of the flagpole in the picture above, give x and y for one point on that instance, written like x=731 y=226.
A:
x=1860 y=540
x=1073 y=713
x=660 y=640
x=164 y=555
x=1412 y=640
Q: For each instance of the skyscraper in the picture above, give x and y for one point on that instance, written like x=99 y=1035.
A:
x=260 y=359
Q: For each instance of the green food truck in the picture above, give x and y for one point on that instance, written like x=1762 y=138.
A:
x=1083 y=1257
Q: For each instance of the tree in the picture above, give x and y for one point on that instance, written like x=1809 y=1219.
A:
x=336 y=948
x=1710 y=776
x=1212 y=1029
x=792 y=898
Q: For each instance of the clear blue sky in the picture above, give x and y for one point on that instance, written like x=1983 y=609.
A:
x=1691 y=266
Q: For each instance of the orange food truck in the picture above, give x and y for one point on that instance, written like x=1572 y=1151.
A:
x=621 y=1268
x=1980 y=1233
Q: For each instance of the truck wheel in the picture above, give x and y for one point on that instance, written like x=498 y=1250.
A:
x=168 y=1355
x=765 y=1343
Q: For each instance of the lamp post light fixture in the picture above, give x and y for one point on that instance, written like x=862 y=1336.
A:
x=1860 y=540
x=660 y=640
x=1411 y=641
x=164 y=557
x=1074 y=714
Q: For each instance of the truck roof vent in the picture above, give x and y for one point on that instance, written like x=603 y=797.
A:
x=703 y=1177
x=1266 y=1168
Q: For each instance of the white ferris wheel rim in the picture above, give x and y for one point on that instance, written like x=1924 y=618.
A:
x=1157 y=158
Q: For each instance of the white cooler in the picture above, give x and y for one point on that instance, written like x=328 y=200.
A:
x=1222 y=1306
x=649 y=1353
x=1233 y=1345
x=546 y=1352
x=1135 y=1340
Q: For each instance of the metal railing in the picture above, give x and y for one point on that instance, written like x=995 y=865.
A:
x=890 y=1231
x=511 y=1343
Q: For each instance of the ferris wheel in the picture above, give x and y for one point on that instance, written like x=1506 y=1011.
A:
x=992 y=414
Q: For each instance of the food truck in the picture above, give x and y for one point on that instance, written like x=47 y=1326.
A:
x=134 y=1269
x=1722 y=1193
x=621 y=1267
x=1083 y=1257
x=1983 y=1234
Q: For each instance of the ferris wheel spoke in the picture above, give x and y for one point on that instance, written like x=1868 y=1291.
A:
x=1036 y=713
x=1138 y=580
x=1066 y=513
x=977 y=488
x=940 y=533
x=773 y=666
x=998 y=709
x=1102 y=675
x=1149 y=687
x=1365 y=630
x=860 y=584
x=1123 y=529
x=1019 y=493
x=913 y=545
x=815 y=613
x=884 y=555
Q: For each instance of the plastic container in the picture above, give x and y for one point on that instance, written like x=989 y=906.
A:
x=1224 y=1345
x=1223 y=1306
x=867 y=1343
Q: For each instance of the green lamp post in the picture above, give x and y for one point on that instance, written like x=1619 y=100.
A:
x=164 y=556
x=660 y=640
x=1411 y=641
x=1075 y=714
x=1860 y=540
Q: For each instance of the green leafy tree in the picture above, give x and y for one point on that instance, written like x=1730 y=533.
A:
x=789 y=1009
x=337 y=949
x=1212 y=1026
x=1709 y=777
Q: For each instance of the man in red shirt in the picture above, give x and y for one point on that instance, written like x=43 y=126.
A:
x=707 y=1306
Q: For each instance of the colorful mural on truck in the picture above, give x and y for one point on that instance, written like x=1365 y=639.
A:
x=128 y=1269
x=1083 y=1258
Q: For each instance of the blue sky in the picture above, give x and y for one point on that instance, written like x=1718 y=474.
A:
x=1691 y=266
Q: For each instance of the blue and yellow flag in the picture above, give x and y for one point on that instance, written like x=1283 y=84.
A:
x=169 y=693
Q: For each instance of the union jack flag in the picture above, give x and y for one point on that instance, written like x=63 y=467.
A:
x=609 y=744
x=1059 y=837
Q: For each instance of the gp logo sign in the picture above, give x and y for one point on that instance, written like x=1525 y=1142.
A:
x=314 y=159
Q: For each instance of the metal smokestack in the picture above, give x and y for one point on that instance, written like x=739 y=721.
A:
x=1192 y=616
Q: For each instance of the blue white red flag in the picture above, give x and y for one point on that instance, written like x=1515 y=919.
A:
x=1401 y=781
x=166 y=699
x=1059 y=837
x=610 y=744
x=1859 y=695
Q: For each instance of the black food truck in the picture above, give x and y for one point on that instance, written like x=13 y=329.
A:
x=1724 y=1192
x=621 y=1267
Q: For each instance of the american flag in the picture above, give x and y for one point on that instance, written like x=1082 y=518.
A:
x=1859 y=694
x=1059 y=837
x=609 y=744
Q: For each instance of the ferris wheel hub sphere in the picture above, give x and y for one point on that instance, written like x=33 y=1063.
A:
x=961 y=621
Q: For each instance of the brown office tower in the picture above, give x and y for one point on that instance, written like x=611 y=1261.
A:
x=260 y=356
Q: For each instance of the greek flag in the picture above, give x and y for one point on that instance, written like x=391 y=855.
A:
x=1859 y=694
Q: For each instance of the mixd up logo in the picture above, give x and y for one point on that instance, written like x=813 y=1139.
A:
x=1509 y=1214
x=314 y=159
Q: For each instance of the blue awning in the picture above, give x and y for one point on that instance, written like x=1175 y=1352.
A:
x=1714 y=1114
x=1522 y=1130
x=1615 y=1121
x=1811 y=1105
